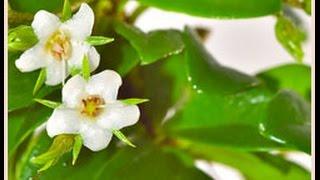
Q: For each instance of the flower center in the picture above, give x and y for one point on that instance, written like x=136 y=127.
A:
x=59 y=46
x=91 y=106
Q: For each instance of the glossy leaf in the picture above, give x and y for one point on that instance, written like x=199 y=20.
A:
x=152 y=46
x=296 y=77
x=20 y=86
x=289 y=121
x=32 y=6
x=228 y=104
x=207 y=75
x=218 y=8
x=22 y=123
x=262 y=166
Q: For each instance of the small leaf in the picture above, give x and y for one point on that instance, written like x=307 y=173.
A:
x=98 y=40
x=154 y=45
x=76 y=148
x=48 y=103
x=290 y=36
x=122 y=137
x=21 y=38
x=41 y=79
x=85 y=67
x=66 y=11
x=134 y=101
x=61 y=144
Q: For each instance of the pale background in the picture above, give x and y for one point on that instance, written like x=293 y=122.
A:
x=246 y=45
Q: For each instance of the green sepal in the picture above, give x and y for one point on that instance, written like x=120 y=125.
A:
x=76 y=148
x=98 y=40
x=41 y=79
x=133 y=101
x=122 y=137
x=66 y=11
x=48 y=103
x=74 y=71
x=86 y=67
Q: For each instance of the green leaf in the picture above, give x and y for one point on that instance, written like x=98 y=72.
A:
x=86 y=67
x=22 y=123
x=122 y=137
x=76 y=148
x=165 y=84
x=207 y=75
x=21 y=85
x=215 y=110
x=41 y=79
x=290 y=36
x=38 y=144
x=145 y=162
x=66 y=11
x=133 y=101
x=266 y=166
x=296 y=77
x=21 y=38
x=125 y=55
x=152 y=46
x=33 y=6
x=289 y=121
x=218 y=8
x=48 y=103
x=98 y=40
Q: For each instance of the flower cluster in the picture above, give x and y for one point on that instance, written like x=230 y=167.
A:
x=89 y=107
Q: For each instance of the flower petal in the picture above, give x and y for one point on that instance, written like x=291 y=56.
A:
x=118 y=115
x=80 y=25
x=56 y=72
x=79 y=50
x=63 y=121
x=94 y=137
x=31 y=59
x=76 y=58
x=44 y=24
x=73 y=91
x=105 y=84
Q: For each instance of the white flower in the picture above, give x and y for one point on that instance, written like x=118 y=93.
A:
x=90 y=108
x=61 y=45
